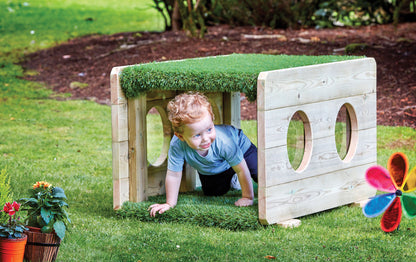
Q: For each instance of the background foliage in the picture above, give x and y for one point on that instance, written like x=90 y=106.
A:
x=193 y=16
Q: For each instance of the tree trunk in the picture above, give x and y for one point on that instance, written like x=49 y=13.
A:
x=176 y=17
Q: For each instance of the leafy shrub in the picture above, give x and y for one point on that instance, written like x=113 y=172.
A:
x=274 y=14
x=284 y=13
x=353 y=13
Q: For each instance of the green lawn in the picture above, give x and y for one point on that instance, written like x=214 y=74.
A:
x=68 y=143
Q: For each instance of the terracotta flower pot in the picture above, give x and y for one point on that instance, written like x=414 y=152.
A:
x=41 y=246
x=12 y=250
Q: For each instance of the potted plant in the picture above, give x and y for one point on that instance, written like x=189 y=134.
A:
x=12 y=237
x=47 y=220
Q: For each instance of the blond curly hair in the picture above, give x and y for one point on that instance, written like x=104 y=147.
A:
x=188 y=108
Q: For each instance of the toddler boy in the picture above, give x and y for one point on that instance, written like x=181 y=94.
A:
x=216 y=152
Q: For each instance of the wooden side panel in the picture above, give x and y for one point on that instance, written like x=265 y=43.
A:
x=119 y=141
x=325 y=181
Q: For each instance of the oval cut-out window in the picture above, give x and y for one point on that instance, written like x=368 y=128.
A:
x=299 y=141
x=157 y=142
x=346 y=132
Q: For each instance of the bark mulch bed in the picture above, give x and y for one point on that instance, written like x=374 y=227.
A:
x=89 y=60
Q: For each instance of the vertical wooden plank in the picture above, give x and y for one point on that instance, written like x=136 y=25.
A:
x=120 y=172
x=117 y=95
x=261 y=149
x=137 y=149
x=156 y=176
x=217 y=103
x=119 y=126
x=231 y=109
x=119 y=139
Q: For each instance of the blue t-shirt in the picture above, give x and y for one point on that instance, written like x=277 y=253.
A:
x=226 y=151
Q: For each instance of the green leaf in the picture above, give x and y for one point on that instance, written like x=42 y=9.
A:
x=46 y=229
x=46 y=215
x=60 y=229
x=58 y=193
x=19 y=229
x=28 y=201
x=39 y=221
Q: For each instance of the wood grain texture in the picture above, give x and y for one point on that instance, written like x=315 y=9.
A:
x=310 y=195
x=119 y=130
x=117 y=95
x=322 y=118
x=325 y=180
x=119 y=126
x=309 y=84
x=232 y=109
x=120 y=173
x=138 y=172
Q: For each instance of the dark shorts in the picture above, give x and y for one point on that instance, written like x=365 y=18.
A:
x=218 y=185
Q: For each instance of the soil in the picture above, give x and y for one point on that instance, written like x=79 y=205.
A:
x=82 y=66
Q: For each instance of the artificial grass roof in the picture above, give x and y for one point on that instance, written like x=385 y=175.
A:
x=230 y=73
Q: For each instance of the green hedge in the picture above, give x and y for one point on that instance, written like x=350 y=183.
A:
x=199 y=210
x=236 y=72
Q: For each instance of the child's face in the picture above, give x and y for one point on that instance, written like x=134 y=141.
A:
x=199 y=135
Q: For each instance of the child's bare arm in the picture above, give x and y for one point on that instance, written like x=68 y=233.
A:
x=244 y=178
x=172 y=184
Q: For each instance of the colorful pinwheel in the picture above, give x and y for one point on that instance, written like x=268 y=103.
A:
x=398 y=183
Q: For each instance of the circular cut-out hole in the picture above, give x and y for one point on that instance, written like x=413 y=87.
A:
x=346 y=132
x=299 y=141
x=158 y=137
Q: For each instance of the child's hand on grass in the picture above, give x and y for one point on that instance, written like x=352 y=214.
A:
x=244 y=202
x=158 y=208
